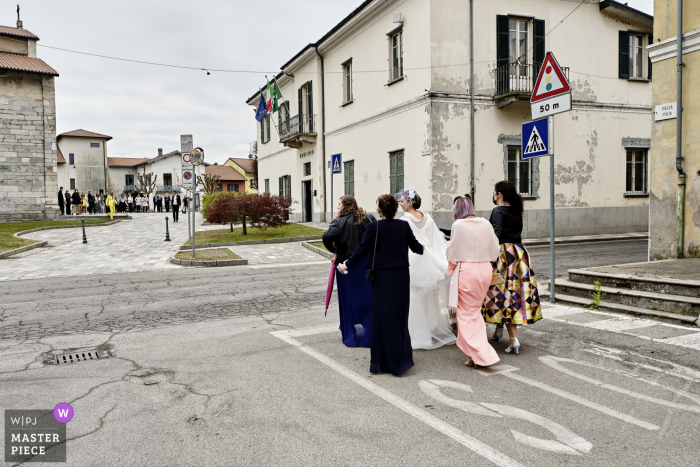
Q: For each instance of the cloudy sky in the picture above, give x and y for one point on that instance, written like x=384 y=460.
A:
x=146 y=107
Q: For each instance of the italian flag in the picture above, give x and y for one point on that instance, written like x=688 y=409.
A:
x=274 y=96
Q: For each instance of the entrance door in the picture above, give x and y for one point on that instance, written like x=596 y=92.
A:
x=306 y=198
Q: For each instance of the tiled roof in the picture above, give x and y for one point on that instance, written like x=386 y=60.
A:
x=59 y=156
x=225 y=172
x=126 y=161
x=246 y=164
x=85 y=134
x=18 y=62
x=17 y=32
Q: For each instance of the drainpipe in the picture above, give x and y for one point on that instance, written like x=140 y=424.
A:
x=323 y=133
x=471 y=94
x=679 y=133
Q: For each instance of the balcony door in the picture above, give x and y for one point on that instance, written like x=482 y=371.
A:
x=519 y=72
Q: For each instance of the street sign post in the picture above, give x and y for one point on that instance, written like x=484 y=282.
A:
x=550 y=96
x=336 y=168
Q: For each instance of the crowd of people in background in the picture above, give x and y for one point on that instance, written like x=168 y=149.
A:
x=77 y=203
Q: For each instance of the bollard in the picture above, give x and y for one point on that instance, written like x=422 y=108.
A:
x=82 y=221
x=167 y=233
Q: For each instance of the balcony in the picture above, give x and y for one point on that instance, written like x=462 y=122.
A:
x=168 y=188
x=298 y=130
x=515 y=82
x=132 y=188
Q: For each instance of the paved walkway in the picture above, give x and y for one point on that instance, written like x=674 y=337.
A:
x=279 y=253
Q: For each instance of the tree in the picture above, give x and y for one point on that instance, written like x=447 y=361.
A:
x=208 y=182
x=148 y=182
x=262 y=210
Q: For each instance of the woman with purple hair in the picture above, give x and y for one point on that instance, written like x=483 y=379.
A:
x=472 y=247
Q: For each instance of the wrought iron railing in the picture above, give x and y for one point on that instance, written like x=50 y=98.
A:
x=134 y=187
x=519 y=78
x=302 y=123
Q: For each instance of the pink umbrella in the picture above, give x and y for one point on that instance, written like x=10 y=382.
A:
x=329 y=290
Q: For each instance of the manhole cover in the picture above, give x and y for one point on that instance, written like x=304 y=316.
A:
x=79 y=356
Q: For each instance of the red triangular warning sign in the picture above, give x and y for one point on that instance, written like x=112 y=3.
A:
x=551 y=80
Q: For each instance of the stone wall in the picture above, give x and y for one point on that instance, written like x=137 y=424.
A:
x=28 y=175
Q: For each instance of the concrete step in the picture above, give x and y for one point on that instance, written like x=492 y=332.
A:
x=563 y=298
x=676 y=304
x=687 y=288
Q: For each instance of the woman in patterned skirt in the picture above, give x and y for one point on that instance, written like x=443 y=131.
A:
x=515 y=301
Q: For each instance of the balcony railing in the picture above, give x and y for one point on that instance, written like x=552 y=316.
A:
x=298 y=124
x=135 y=187
x=515 y=78
x=168 y=188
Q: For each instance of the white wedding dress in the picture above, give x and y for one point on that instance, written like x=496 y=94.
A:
x=428 y=316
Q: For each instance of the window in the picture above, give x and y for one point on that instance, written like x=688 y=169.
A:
x=254 y=183
x=636 y=171
x=518 y=46
x=286 y=186
x=267 y=185
x=634 y=62
x=233 y=187
x=219 y=187
x=349 y=176
x=306 y=108
x=520 y=51
x=347 y=82
x=283 y=119
x=397 y=55
x=129 y=179
x=94 y=145
x=395 y=171
x=72 y=184
x=519 y=171
x=307 y=169
x=168 y=180
x=265 y=129
x=71 y=159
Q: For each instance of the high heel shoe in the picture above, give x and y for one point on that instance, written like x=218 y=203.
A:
x=498 y=334
x=515 y=347
x=469 y=362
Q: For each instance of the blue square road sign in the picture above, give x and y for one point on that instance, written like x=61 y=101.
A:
x=535 y=139
x=336 y=163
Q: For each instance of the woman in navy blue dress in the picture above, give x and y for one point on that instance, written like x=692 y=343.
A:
x=386 y=243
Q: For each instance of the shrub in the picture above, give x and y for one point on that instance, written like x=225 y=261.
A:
x=262 y=210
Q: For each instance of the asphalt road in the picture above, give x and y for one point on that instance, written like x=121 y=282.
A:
x=248 y=371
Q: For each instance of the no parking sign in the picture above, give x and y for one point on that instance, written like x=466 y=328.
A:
x=187 y=178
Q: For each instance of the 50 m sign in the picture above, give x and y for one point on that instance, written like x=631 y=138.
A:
x=551 y=106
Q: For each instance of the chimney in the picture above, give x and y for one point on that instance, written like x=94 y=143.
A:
x=160 y=152
x=19 y=23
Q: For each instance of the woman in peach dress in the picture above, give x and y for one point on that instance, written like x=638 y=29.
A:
x=472 y=247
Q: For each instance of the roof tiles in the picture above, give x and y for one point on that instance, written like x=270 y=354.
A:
x=84 y=134
x=9 y=61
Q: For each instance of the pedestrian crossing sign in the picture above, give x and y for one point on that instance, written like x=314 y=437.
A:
x=336 y=165
x=535 y=139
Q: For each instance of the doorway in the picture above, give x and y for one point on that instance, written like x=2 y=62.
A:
x=306 y=201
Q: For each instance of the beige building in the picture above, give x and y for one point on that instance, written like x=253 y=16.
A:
x=28 y=178
x=675 y=222
x=247 y=168
x=82 y=161
x=395 y=80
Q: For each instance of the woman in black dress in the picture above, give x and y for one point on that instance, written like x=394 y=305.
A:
x=386 y=243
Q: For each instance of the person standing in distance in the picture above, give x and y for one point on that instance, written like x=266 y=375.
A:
x=61 y=201
x=176 y=206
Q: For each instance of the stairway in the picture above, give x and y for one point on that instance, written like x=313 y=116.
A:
x=661 y=297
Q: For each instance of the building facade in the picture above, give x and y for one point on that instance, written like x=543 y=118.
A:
x=28 y=157
x=231 y=179
x=670 y=214
x=82 y=161
x=395 y=80
x=247 y=168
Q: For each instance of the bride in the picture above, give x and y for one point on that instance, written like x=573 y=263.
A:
x=428 y=316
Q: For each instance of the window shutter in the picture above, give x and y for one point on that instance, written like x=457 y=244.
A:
x=279 y=119
x=267 y=125
x=281 y=186
x=651 y=41
x=538 y=50
x=399 y=171
x=301 y=109
x=624 y=54
x=392 y=173
x=310 y=106
x=262 y=131
x=503 y=42
x=289 y=187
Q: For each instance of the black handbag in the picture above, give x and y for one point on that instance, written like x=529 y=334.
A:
x=369 y=275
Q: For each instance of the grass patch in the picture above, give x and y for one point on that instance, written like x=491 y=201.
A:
x=319 y=245
x=225 y=235
x=7 y=231
x=208 y=255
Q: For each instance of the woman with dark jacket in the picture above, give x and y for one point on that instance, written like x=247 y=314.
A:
x=354 y=292
x=515 y=301
x=387 y=242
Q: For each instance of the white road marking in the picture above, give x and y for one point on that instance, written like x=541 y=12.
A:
x=432 y=388
x=579 y=400
x=465 y=440
x=552 y=362
x=691 y=341
x=620 y=324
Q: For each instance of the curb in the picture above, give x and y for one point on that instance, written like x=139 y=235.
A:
x=583 y=239
x=22 y=249
x=38 y=229
x=318 y=250
x=252 y=242
x=215 y=263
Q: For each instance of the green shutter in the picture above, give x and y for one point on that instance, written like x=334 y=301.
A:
x=262 y=131
x=651 y=41
x=281 y=186
x=392 y=173
x=399 y=171
x=624 y=55
x=310 y=107
x=538 y=50
x=267 y=125
x=502 y=54
x=289 y=187
x=301 y=109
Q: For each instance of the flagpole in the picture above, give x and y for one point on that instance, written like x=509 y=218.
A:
x=271 y=119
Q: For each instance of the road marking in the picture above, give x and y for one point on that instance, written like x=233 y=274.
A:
x=282 y=265
x=579 y=400
x=691 y=341
x=553 y=362
x=462 y=438
x=620 y=324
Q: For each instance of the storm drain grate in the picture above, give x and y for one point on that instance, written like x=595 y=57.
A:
x=78 y=357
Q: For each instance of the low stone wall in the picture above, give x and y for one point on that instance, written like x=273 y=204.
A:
x=51 y=227
x=212 y=263
x=22 y=249
x=318 y=250
x=252 y=242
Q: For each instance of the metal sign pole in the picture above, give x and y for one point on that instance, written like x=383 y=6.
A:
x=552 y=268
x=193 y=219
